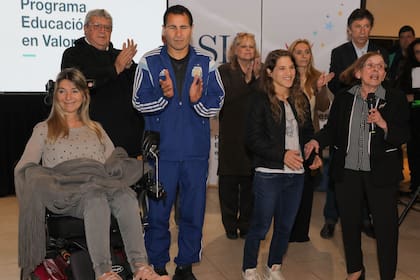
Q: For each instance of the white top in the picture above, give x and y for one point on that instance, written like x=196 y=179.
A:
x=291 y=142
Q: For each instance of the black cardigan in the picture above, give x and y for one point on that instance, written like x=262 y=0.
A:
x=266 y=137
x=111 y=97
x=385 y=155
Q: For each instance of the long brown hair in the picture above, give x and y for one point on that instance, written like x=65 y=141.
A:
x=297 y=97
x=57 y=124
x=312 y=74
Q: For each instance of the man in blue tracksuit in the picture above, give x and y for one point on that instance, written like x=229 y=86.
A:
x=178 y=89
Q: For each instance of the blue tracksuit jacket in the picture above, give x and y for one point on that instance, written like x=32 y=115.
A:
x=184 y=126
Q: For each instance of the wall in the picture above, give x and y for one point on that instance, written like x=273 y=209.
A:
x=391 y=15
x=275 y=25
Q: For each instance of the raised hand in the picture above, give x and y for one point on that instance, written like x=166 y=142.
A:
x=324 y=79
x=257 y=66
x=196 y=89
x=125 y=57
x=167 y=85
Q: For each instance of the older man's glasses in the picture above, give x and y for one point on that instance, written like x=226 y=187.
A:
x=100 y=27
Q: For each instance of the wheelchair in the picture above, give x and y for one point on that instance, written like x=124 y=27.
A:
x=67 y=255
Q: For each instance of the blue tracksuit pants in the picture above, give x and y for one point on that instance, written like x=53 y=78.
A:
x=189 y=178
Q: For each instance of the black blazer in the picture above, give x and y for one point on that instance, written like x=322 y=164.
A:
x=342 y=57
x=385 y=155
x=265 y=138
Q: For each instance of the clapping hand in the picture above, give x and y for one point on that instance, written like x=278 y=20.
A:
x=324 y=79
x=125 y=57
x=196 y=89
x=167 y=85
x=253 y=69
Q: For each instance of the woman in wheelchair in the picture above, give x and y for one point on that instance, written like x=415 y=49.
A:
x=81 y=175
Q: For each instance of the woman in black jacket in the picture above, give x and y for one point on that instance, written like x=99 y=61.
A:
x=367 y=159
x=279 y=123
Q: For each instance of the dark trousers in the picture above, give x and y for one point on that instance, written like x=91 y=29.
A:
x=382 y=200
x=236 y=202
x=330 y=208
x=300 y=230
x=277 y=197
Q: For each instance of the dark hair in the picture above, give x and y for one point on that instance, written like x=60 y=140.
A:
x=359 y=14
x=178 y=10
x=404 y=81
x=296 y=96
x=406 y=28
x=411 y=56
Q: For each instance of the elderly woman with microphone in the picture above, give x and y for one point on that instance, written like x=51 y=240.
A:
x=367 y=159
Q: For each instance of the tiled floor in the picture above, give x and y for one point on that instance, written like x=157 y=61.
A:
x=221 y=259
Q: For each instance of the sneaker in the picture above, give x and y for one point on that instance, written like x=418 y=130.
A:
x=184 y=273
x=274 y=273
x=250 y=274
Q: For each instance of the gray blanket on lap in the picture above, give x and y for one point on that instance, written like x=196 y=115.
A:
x=61 y=188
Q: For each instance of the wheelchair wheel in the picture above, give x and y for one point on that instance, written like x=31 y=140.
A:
x=144 y=207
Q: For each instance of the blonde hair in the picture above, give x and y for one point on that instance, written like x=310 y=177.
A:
x=311 y=74
x=56 y=121
x=239 y=38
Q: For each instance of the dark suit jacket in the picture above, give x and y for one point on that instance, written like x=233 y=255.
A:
x=342 y=57
x=385 y=154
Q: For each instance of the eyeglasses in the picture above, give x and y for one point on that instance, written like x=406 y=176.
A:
x=99 y=27
x=371 y=66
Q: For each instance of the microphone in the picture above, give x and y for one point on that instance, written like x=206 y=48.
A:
x=371 y=100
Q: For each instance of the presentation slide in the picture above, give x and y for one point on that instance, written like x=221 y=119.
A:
x=36 y=32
